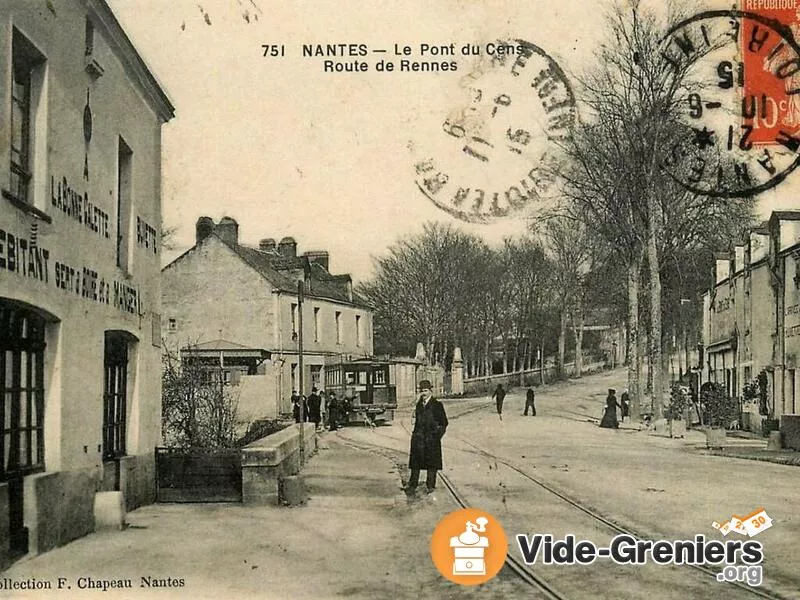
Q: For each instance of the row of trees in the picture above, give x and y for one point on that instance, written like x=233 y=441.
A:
x=625 y=234
x=447 y=288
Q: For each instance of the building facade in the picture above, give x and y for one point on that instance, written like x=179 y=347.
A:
x=226 y=295
x=80 y=176
x=751 y=317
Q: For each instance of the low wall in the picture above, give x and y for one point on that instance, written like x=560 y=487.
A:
x=790 y=431
x=59 y=507
x=137 y=480
x=274 y=456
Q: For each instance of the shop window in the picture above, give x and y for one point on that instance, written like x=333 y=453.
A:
x=115 y=400
x=22 y=379
x=26 y=99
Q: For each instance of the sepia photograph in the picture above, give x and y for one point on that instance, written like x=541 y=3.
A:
x=315 y=299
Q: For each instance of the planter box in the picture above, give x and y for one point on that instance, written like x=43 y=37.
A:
x=716 y=438
x=677 y=429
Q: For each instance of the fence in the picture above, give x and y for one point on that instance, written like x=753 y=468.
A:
x=528 y=377
x=197 y=475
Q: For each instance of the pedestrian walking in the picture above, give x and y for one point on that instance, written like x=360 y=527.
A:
x=609 y=419
x=625 y=405
x=296 y=402
x=529 y=402
x=314 y=404
x=430 y=424
x=499 y=395
x=333 y=411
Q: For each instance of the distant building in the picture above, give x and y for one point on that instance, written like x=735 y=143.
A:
x=80 y=149
x=240 y=303
x=751 y=317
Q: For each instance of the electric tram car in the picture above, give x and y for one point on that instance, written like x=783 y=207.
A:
x=365 y=383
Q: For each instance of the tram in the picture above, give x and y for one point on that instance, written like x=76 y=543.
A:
x=366 y=384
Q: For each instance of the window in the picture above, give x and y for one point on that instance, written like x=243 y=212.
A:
x=316 y=324
x=89 y=37
x=28 y=75
x=173 y=325
x=359 y=340
x=22 y=381
x=294 y=319
x=124 y=209
x=338 y=327
x=115 y=401
x=316 y=376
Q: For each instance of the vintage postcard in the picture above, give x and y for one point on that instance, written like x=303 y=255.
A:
x=465 y=299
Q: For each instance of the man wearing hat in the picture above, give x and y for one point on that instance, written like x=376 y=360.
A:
x=430 y=423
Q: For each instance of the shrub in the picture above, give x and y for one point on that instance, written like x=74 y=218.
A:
x=678 y=401
x=719 y=408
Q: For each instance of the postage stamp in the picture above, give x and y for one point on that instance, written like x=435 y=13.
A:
x=742 y=105
x=503 y=142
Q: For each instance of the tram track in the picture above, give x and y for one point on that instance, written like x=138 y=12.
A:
x=519 y=567
x=760 y=593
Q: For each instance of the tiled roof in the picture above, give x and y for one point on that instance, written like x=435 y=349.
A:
x=319 y=283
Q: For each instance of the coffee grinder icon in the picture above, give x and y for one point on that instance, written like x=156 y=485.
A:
x=469 y=549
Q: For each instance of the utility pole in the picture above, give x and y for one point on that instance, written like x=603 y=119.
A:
x=300 y=367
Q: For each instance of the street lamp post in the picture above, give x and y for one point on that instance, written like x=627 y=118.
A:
x=300 y=367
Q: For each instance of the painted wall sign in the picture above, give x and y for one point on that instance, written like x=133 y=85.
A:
x=78 y=206
x=146 y=235
x=17 y=256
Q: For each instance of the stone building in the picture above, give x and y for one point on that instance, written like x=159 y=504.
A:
x=751 y=317
x=240 y=303
x=80 y=131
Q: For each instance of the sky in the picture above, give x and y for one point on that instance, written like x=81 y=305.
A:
x=329 y=158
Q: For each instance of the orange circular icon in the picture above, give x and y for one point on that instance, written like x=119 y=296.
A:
x=469 y=546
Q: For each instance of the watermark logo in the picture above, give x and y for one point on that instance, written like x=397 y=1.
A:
x=751 y=525
x=469 y=546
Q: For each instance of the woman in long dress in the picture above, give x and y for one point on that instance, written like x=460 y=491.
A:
x=609 y=419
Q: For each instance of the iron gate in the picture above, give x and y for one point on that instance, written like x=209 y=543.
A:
x=198 y=475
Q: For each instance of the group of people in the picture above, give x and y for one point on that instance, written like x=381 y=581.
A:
x=499 y=396
x=610 y=420
x=318 y=405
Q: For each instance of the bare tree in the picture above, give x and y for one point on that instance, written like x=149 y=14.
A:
x=198 y=409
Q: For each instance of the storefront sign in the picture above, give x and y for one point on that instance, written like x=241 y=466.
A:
x=78 y=206
x=19 y=257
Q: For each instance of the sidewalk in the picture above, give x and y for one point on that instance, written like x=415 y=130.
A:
x=341 y=544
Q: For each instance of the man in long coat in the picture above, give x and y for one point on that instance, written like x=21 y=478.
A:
x=426 y=440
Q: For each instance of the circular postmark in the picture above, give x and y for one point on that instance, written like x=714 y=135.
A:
x=740 y=73
x=497 y=152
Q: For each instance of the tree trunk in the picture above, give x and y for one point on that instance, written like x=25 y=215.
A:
x=562 y=345
x=633 y=340
x=655 y=309
x=541 y=362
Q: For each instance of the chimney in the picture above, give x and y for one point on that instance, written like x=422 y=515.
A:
x=321 y=257
x=203 y=229
x=267 y=245
x=288 y=247
x=722 y=267
x=228 y=231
